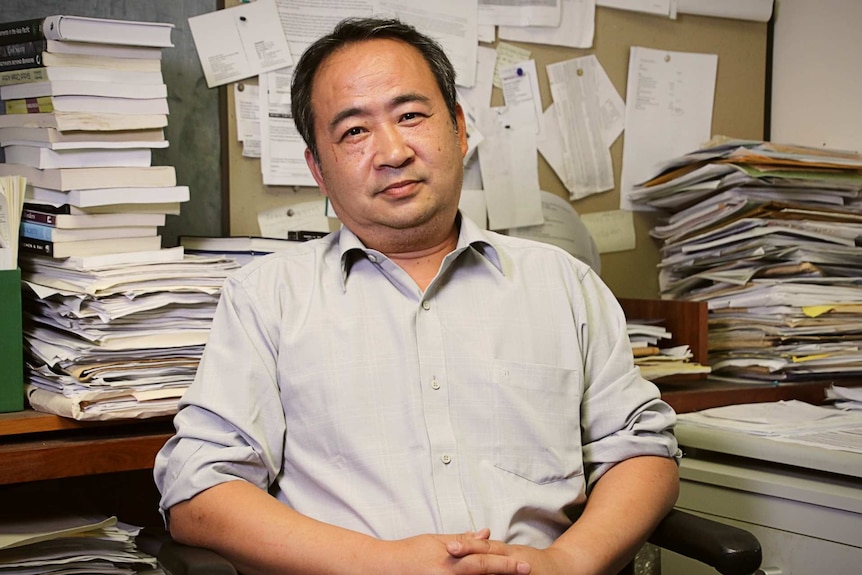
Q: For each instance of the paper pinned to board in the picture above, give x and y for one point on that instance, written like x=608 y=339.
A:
x=240 y=42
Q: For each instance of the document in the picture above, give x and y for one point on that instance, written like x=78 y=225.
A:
x=586 y=153
x=479 y=96
x=660 y=7
x=304 y=21
x=576 y=29
x=307 y=216
x=613 y=230
x=562 y=227
x=669 y=104
x=451 y=22
x=521 y=93
x=510 y=173
x=508 y=55
x=240 y=42
x=282 y=150
x=520 y=12
x=247 y=110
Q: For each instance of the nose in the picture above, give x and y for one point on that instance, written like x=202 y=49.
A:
x=391 y=148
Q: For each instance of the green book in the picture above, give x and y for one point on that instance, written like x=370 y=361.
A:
x=11 y=342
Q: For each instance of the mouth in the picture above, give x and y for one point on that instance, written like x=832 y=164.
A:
x=400 y=189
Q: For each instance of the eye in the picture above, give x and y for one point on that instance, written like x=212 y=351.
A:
x=354 y=131
x=412 y=117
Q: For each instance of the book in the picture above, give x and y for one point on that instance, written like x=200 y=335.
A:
x=12 y=190
x=84 y=29
x=37 y=51
x=54 y=139
x=33 y=230
x=82 y=88
x=252 y=244
x=85 y=105
x=89 y=247
x=82 y=73
x=44 y=158
x=37 y=214
x=60 y=208
x=86 y=198
x=84 y=121
x=65 y=179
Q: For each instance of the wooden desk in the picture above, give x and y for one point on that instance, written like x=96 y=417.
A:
x=703 y=394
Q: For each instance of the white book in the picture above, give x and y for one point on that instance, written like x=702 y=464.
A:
x=60 y=206
x=84 y=121
x=114 y=51
x=88 y=105
x=89 y=178
x=57 y=235
x=82 y=88
x=79 y=73
x=44 y=158
x=107 y=31
x=54 y=139
x=108 y=196
x=48 y=217
x=90 y=247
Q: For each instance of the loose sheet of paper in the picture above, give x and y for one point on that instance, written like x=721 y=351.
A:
x=304 y=21
x=576 y=30
x=451 y=22
x=669 y=103
x=563 y=228
x=613 y=231
x=508 y=55
x=304 y=216
x=240 y=42
x=586 y=156
x=521 y=93
x=660 y=7
x=282 y=154
x=520 y=12
x=510 y=173
x=247 y=109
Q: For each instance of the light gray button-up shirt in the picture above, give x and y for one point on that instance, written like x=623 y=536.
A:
x=492 y=399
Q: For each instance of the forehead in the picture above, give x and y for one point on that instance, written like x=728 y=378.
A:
x=369 y=63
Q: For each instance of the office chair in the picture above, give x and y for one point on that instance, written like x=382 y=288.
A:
x=729 y=550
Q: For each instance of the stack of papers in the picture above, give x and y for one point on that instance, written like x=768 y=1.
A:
x=656 y=361
x=791 y=421
x=72 y=544
x=770 y=236
x=117 y=336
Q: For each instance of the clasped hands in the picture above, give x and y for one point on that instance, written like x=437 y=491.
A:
x=470 y=553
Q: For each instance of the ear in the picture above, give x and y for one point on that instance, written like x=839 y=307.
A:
x=461 y=123
x=314 y=168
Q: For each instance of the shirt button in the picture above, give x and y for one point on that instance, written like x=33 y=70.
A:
x=435 y=384
x=426 y=305
x=446 y=459
x=372 y=258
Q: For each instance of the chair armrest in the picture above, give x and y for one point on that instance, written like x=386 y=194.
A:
x=179 y=559
x=730 y=550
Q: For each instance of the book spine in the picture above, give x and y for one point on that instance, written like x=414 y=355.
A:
x=36 y=231
x=34 y=246
x=303 y=236
x=48 y=208
x=23 y=76
x=22 y=31
x=39 y=217
x=31 y=49
x=40 y=105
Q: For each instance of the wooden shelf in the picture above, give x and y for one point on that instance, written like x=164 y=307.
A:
x=37 y=446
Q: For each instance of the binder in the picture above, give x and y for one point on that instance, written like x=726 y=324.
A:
x=11 y=342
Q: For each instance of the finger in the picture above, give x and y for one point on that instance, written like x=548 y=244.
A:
x=463 y=546
x=491 y=564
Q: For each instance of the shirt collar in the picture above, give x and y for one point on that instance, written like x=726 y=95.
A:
x=469 y=236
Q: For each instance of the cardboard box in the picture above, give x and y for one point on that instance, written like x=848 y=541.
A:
x=11 y=342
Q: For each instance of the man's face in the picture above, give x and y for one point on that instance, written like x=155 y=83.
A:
x=390 y=158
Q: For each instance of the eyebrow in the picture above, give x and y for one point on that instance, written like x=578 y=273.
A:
x=394 y=103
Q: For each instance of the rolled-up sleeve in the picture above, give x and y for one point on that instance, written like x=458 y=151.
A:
x=622 y=414
x=231 y=423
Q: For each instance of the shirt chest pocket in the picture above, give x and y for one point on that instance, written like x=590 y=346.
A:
x=535 y=419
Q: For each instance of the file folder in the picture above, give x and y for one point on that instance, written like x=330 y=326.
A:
x=11 y=342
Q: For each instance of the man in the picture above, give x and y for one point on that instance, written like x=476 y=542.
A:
x=413 y=394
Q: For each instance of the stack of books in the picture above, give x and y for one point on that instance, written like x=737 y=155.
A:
x=82 y=105
x=653 y=357
x=770 y=236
